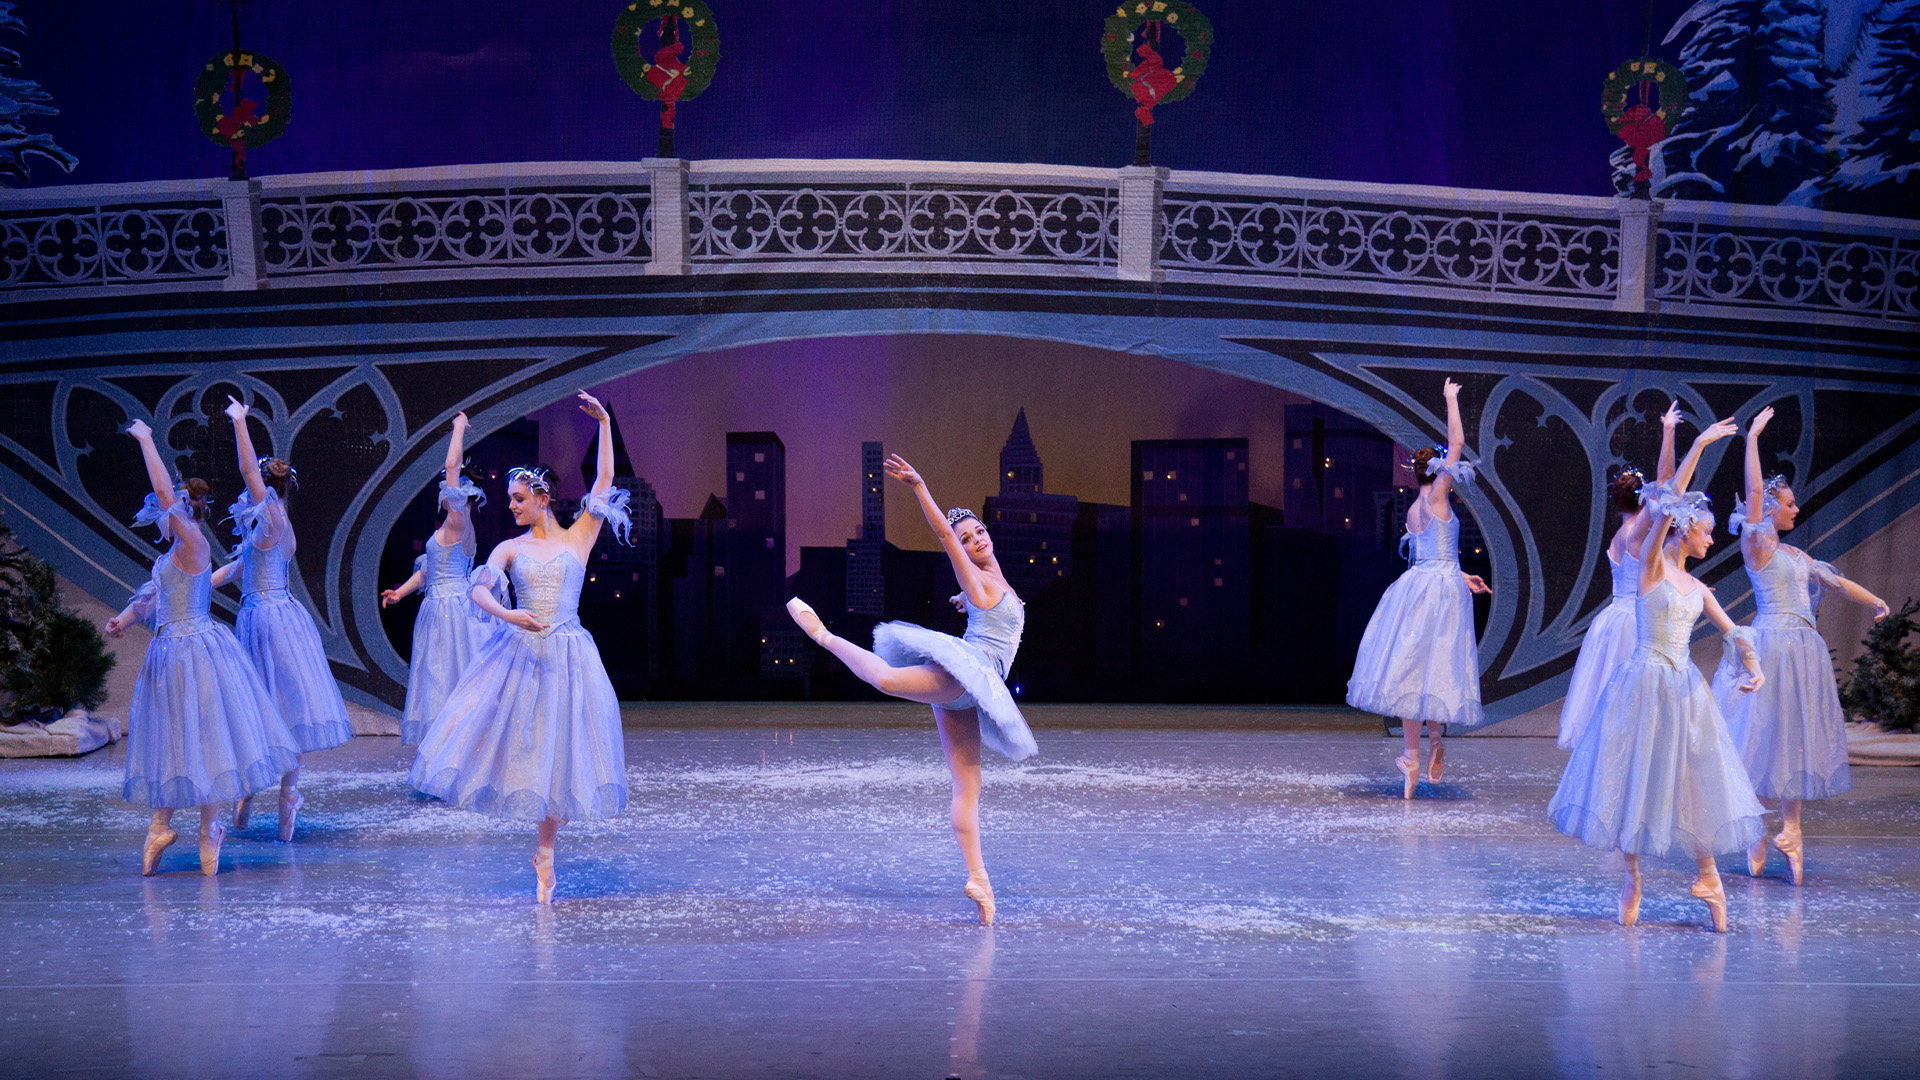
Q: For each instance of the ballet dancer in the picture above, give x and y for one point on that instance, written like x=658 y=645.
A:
x=1655 y=772
x=448 y=629
x=532 y=729
x=277 y=632
x=1417 y=656
x=200 y=502
x=201 y=728
x=1792 y=734
x=963 y=678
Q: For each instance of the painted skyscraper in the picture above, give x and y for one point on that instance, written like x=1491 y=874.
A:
x=866 y=574
x=1032 y=530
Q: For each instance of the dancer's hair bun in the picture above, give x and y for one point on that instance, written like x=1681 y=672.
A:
x=1624 y=489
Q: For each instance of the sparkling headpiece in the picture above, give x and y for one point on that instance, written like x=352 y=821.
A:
x=293 y=474
x=1462 y=471
x=959 y=513
x=1686 y=508
x=1769 y=502
x=536 y=479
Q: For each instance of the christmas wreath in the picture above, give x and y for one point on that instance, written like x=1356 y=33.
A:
x=671 y=75
x=247 y=124
x=1149 y=82
x=1667 y=78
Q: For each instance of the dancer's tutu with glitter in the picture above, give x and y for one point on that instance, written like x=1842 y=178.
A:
x=1417 y=659
x=963 y=678
x=201 y=728
x=532 y=730
x=448 y=629
x=1791 y=733
x=276 y=630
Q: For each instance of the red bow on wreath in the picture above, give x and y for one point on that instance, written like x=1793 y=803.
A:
x=244 y=115
x=1150 y=78
x=668 y=73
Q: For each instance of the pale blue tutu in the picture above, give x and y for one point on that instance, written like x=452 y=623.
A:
x=447 y=633
x=201 y=728
x=978 y=662
x=1654 y=772
x=279 y=634
x=1417 y=659
x=532 y=730
x=1608 y=642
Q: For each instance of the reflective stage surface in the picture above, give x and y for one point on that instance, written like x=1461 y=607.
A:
x=785 y=902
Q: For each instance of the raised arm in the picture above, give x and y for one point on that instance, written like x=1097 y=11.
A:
x=1456 y=445
x=1757 y=545
x=1652 y=560
x=189 y=550
x=586 y=527
x=1714 y=432
x=455 y=527
x=243 y=445
x=972 y=582
x=1668 y=422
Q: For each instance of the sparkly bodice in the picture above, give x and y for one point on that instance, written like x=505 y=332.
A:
x=995 y=631
x=180 y=600
x=1626 y=578
x=1663 y=620
x=548 y=589
x=1439 y=542
x=262 y=570
x=1781 y=590
x=444 y=569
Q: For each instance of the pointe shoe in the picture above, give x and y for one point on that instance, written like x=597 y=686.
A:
x=290 y=813
x=210 y=848
x=242 y=813
x=157 y=842
x=1630 y=902
x=1757 y=857
x=808 y=620
x=1436 y=761
x=1790 y=846
x=980 y=891
x=1409 y=766
x=1715 y=897
x=543 y=874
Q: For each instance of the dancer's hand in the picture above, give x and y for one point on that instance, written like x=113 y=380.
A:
x=525 y=621
x=1671 y=418
x=1450 y=389
x=898 y=468
x=1880 y=608
x=1477 y=584
x=116 y=626
x=592 y=407
x=1759 y=422
x=459 y=421
x=389 y=596
x=959 y=602
x=1755 y=681
x=1720 y=429
x=235 y=410
x=139 y=430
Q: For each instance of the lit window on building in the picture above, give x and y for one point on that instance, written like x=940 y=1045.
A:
x=1195 y=522
x=740 y=477
x=760 y=494
x=1183 y=601
x=759 y=457
x=1217 y=582
x=719 y=571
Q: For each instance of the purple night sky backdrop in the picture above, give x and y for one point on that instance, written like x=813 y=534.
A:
x=946 y=403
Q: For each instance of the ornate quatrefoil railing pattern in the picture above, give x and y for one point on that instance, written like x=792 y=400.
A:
x=109 y=245
x=1863 y=274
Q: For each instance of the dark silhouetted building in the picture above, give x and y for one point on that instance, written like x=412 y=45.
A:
x=866 y=589
x=1193 y=559
x=1032 y=531
x=1335 y=465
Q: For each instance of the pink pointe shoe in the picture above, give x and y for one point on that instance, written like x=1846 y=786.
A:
x=1436 y=761
x=158 y=840
x=290 y=813
x=1757 y=857
x=210 y=848
x=1630 y=902
x=1409 y=766
x=1715 y=897
x=808 y=620
x=980 y=891
x=543 y=874
x=1790 y=845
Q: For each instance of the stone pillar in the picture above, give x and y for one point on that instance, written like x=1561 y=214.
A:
x=246 y=257
x=672 y=249
x=1639 y=237
x=1141 y=190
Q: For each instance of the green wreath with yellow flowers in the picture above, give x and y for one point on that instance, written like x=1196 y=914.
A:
x=242 y=126
x=1116 y=42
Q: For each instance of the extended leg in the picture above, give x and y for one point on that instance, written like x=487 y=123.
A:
x=543 y=860
x=960 y=738
x=927 y=684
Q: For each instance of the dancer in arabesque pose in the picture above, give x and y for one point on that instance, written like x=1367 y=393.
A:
x=532 y=730
x=963 y=678
x=276 y=630
x=201 y=728
x=1655 y=772
x=1417 y=658
x=448 y=629
x=1792 y=733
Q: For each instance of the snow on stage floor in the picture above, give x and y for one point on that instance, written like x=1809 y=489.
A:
x=1178 y=898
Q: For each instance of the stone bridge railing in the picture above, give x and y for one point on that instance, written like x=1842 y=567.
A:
x=666 y=216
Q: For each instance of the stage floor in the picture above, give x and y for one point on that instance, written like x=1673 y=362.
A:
x=785 y=902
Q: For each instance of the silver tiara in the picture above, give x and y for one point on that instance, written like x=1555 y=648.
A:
x=535 y=478
x=293 y=474
x=955 y=515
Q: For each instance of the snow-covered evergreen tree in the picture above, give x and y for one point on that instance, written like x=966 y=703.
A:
x=1753 y=129
x=1877 y=121
x=18 y=98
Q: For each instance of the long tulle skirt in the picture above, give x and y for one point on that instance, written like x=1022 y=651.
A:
x=1002 y=728
x=1791 y=732
x=445 y=638
x=281 y=639
x=531 y=732
x=1610 y=640
x=1654 y=772
x=200 y=727
x=1417 y=657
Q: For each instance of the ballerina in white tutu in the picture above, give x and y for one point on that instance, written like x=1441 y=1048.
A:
x=964 y=679
x=448 y=629
x=1792 y=734
x=201 y=728
x=276 y=629
x=1417 y=658
x=532 y=730
x=1655 y=772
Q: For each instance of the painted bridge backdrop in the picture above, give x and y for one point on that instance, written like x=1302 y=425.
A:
x=359 y=311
